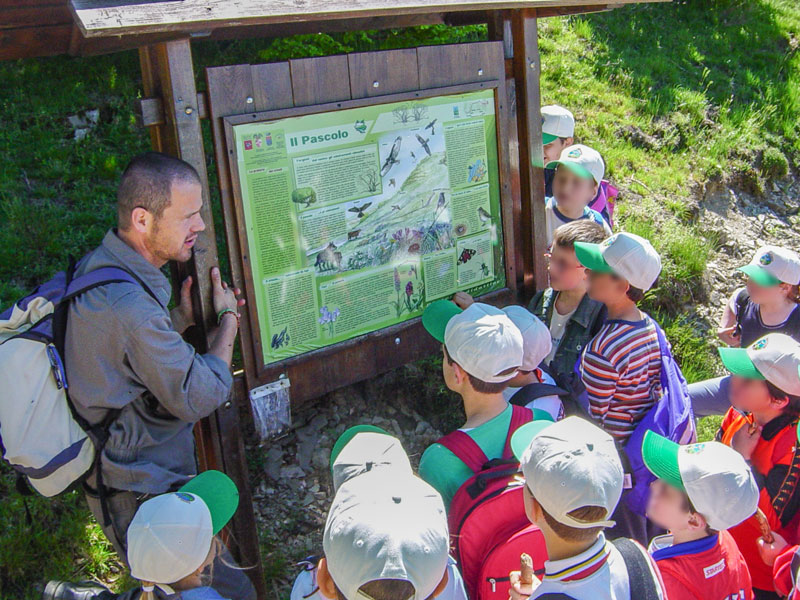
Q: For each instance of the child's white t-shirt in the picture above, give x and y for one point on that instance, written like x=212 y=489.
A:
x=554 y=219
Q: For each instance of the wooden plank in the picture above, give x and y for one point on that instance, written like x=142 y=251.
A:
x=168 y=73
x=453 y=64
x=272 y=86
x=320 y=80
x=113 y=17
x=527 y=68
x=150 y=111
x=382 y=73
x=31 y=15
x=34 y=41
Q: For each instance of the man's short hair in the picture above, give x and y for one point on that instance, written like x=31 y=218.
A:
x=582 y=230
x=147 y=183
x=479 y=385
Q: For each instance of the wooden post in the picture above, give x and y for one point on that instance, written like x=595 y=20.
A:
x=168 y=73
x=527 y=69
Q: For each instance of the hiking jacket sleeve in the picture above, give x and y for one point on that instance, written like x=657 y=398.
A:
x=188 y=385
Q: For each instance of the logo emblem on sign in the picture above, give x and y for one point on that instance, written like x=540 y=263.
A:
x=766 y=259
x=574 y=153
x=760 y=344
x=248 y=144
x=185 y=497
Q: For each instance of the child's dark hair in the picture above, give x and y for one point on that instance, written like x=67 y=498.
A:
x=480 y=386
x=575 y=534
x=637 y=295
x=689 y=507
x=792 y=407
x=582 y=230
x=384 y=589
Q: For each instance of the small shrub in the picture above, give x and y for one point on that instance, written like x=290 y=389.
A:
x=774 y=164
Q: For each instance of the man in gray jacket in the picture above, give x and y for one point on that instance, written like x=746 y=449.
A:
x=128 y=364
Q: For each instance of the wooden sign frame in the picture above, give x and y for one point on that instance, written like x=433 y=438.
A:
x=319 y=85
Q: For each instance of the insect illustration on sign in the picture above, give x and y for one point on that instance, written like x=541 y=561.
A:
x=466 y=256
x=485 y=269
x=279 y=340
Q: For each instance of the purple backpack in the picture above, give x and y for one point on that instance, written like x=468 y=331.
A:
x=671 y=417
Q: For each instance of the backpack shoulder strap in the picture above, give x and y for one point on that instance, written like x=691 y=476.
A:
x=642 y=583
x=742 y=299
x=99 y=277
x=533 y=391
x=465 y=448
x=555 y=596
x=519 y=416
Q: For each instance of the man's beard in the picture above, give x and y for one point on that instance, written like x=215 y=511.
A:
x=161 y=251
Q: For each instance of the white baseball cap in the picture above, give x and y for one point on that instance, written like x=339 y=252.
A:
x=557 y=122
x=716 y=478
x=536 y=339
x=568 y=465
x=581 y=160
x=772 y=265
x=482 y=339
x=363 y=448
x=381 y=526
x=170 y=535
x=625 y=254
x=774 y=357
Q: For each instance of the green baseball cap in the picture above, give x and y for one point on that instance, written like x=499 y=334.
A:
x=349 y=434
x=524 y=435
x=760 y=275
x=219 y=493
x=547 y=138
x=738 y=362
x=591 y=257
x=436 y=316
x=660 y=456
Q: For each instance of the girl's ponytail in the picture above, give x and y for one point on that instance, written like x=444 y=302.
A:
x=148 y=591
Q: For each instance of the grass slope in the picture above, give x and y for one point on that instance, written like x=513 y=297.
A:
x=671 y=94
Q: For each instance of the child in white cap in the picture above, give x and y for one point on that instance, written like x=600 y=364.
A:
x=578 y=173
x=573 y=482
x=621 y=366
x=531 y=386
x=482 y=351
x=701 y=491
x=558 y=131
x=172 y=538
x=767 y=304
x=761 y=425
x=366 y=450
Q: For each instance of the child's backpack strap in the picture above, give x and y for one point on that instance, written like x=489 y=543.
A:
x=470 y=453
x=519 y=416
x=742 y=298
x=534 y=391
x=465 y=448
x=641 y=581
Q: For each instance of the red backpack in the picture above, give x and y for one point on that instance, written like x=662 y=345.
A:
x=488 y=526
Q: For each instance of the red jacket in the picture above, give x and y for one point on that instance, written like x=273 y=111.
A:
x=711 y=568
x=776 y=467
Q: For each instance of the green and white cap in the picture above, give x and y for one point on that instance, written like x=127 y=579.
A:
x=625 y=254
x=772 y=265
x=568 y=465
x=716 y=478
x=557 y=122
x=774 y=357
x=364 y=448
x=482 y=339
x=170 y=535
x=384 y=526
x=583 y=161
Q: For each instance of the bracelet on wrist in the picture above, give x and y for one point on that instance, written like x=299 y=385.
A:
x=225 y=311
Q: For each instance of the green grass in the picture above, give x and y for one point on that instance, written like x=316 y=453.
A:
x=672 y=95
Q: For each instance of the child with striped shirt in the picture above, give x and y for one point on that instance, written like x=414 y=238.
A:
x=621 y=366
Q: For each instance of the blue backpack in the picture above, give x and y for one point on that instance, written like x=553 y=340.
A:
x=41 y=435
x=671 y=417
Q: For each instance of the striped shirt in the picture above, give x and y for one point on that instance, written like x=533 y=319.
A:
x=621 y=369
